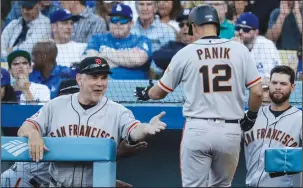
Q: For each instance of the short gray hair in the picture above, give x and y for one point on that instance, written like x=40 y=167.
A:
x=137 y=4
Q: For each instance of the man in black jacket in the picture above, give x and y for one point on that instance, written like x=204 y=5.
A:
x=163 y=56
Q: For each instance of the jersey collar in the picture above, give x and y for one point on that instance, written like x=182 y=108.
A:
x=210 y=37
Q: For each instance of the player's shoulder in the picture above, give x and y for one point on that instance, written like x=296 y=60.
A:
x=296 y=111
x=116 y=106
x=61 y=99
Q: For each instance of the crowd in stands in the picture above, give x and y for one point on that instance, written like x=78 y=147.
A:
x=42 y=42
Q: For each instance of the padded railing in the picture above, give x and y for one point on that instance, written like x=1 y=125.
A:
x=100 y=151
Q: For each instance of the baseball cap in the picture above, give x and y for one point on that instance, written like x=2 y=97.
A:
x=5 y=77
x=61 y=15
x=183 y=15
x=18 y=53
x=29 y=3
x=94 y=65
x=68 y=86
x=121 y=10
x=248 y=19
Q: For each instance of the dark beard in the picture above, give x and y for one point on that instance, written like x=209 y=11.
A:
x=279 y=101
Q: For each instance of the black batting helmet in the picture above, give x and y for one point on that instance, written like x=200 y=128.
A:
x=203 y=14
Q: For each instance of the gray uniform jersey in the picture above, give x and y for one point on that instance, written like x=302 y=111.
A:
x=214 y=73
x=270 y=132
x=65 y=117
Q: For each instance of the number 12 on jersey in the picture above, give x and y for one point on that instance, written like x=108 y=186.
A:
x=217 y=79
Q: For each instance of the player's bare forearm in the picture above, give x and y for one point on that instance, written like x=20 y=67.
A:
x=26 y=130
x=156 y=93
x=255 y=97
x=139 y=133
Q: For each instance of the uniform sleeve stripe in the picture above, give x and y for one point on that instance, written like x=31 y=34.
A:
x=164 y=87
x=131 y=127
x=34 y=124
x=253 y=82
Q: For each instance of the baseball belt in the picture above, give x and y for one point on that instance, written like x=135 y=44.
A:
x=214 y=119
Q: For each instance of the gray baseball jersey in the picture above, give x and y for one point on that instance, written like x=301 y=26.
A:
x=270 y=132
x=65 y=117
x=214 y=73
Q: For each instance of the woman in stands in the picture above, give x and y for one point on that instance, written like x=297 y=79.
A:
x=168 y=11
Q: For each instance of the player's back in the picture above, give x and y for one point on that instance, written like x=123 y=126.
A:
x=215 y=72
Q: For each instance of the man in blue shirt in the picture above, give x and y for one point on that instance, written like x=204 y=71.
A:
x=47 y=7
x=148 y=24
x=163 y=56
x=46 y=71
x=128 y=55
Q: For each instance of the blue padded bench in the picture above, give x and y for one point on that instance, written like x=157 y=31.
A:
x=285 y=160
x=100 y=151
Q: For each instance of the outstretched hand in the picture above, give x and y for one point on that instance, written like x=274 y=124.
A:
x=156 y=125
x=126 y=150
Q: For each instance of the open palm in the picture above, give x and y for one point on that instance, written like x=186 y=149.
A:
x=156 y=125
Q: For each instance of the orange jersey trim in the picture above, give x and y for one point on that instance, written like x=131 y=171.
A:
x=130 y=127
x=165 y=87
x=253 y=82
x=34 y=124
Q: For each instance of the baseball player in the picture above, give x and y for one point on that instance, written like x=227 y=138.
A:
x=30 y=174
x=213 y=73
x=85 y=114
x=278 y=125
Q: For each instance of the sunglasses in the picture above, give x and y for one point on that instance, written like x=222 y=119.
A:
x=118 y=19
x=183 y=24
x=245 y=29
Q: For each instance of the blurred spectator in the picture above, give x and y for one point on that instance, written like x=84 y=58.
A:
x=299 y=67
x=46 y=7
x=5 y=8
x=242 y=6
x=163 y=56
x=191 y=4
x=19 y=63
x=149 y=25
x=128 y=54
x=168 y=11
x=46 y=71
x=88 y=23
x=68 y=86
x=262 y=10
x=103 y=9
x=262 y=50
x=8 y=94
x=25 y=31
x=68 y=50
x=227 y=29
x=285 y=25
x=231 y=15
